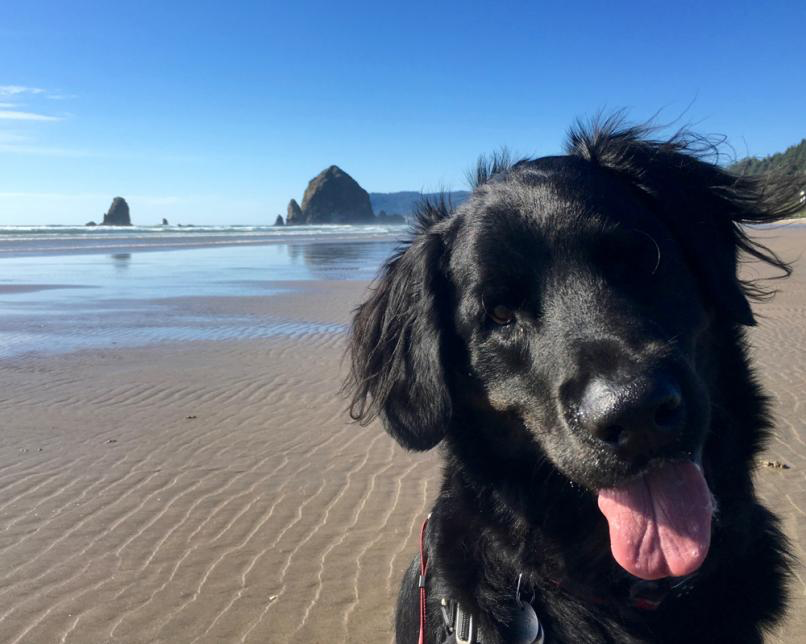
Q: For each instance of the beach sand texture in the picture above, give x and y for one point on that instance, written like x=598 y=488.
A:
x=215 y=491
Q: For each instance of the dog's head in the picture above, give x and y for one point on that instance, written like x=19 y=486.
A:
x=567 y=312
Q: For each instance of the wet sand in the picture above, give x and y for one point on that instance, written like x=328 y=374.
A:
x=213 y=491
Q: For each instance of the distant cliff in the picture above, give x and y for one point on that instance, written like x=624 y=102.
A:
x=404 y=202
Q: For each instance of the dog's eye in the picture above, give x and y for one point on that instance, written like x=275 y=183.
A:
x=502 y=315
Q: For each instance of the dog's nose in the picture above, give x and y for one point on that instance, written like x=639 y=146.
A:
x=636 y=419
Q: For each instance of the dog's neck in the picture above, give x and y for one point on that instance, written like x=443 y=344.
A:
x=520 y=524
x=519 y=537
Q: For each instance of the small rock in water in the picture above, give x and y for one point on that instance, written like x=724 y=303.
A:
x=191 y=417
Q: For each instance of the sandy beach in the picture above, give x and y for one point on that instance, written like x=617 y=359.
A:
x=208 y=487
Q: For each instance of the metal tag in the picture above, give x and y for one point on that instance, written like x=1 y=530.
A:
x=523 y=627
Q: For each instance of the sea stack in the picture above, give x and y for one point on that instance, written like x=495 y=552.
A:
x=294 y=214
x=279 y=221
x=334 y=197
x=118 y=213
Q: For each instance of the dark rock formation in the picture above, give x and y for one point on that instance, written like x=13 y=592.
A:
x=334 y=197
x=118 y=214
x=383 y=218
x=294 y=214
x=279 y=221
x=90 y=223
x=165 y=222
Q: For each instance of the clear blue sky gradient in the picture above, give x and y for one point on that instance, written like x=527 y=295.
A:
x=212 y=112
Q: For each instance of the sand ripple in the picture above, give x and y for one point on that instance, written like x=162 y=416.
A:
x=214 y=492
x=210 y=493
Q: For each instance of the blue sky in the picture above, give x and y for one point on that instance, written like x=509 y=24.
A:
x=212 y=112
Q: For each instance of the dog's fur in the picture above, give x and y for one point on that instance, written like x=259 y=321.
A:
x=620 y=257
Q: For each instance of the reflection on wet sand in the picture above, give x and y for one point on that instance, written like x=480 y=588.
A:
x=121 y=260
x=350 y=260
x=138 y=299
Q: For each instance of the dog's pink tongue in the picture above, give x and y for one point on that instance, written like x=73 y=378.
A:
x=660 y=524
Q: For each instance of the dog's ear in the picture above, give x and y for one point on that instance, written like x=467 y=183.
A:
x=396 y=347
x=704 y=206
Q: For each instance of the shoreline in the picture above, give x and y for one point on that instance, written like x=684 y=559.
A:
x=17 y=248
x=115 y=240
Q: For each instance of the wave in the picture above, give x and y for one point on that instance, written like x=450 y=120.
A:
x=30 y=233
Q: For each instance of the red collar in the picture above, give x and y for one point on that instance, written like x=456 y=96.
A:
x=421 y=582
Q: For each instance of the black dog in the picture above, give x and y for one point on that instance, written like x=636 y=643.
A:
x=572 y=335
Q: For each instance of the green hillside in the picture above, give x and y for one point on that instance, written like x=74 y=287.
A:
x=790 y=162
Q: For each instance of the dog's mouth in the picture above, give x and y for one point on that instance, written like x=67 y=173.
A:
x=660 y=522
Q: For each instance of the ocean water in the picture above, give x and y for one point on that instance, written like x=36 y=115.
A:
x=67 y=289
x=34 y=240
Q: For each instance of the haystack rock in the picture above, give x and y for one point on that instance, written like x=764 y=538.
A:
x=334 y=197
x=118 y=214
x=294 y=214
x=164 y=222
